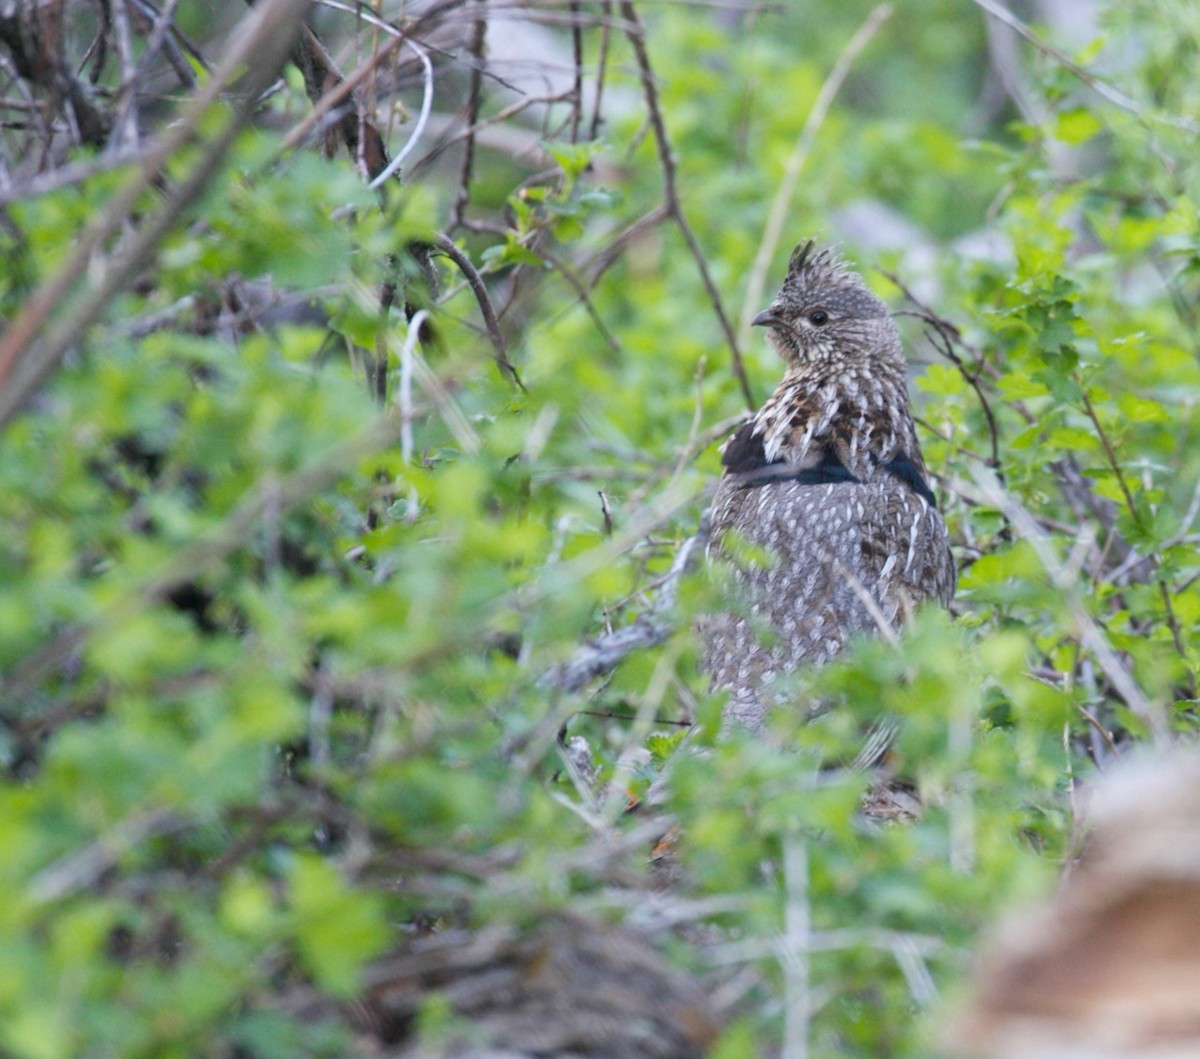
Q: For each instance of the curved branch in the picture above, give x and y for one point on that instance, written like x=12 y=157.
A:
x=422 y=118
x=633 y=30
x=447 y=246
x=474 y=98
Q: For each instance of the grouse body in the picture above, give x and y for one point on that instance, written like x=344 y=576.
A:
x=828 y=482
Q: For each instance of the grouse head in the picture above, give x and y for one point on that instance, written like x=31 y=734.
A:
x=825 y=317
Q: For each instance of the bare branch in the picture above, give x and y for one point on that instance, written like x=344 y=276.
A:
x=27 y=356
x=474 y=98
x=162 y=38
x=950 y=336
x=40 y=63
x=422 y=118
x=581 y=293
x=651 y=628
x=674 y=208
x=1101 y=88
x=604 y=259
x=601 y=68
x=577 y=85
x=81 y=868
x=326 y=88
x=72 y=173
x=448 y=247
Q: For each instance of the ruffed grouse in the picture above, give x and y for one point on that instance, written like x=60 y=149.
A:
x=827 y=480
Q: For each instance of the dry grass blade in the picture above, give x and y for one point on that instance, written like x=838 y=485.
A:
x=782 y=202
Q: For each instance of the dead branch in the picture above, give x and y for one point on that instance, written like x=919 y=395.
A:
x=601 y=68
x=581 y=294
x=949 y=336
x=321 y=77
x=38 y=61
x=27 y=355
x=474 y=97
x=651 y=628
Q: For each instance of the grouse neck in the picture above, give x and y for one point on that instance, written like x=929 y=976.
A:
x=862 y=416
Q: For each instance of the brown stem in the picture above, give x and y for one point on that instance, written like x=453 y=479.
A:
x=637 y=39
x=28 y=355
x=474 y=97
x=38 y=61
x=1115 y=466
x=447 y=246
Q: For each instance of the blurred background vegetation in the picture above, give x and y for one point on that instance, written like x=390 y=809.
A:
x=331 y=512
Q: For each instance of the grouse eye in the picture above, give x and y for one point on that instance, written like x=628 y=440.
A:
x=818 y=317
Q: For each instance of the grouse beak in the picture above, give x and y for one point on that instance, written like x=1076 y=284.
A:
x=766 y=318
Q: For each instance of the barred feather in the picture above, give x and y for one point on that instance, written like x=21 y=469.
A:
x=828 y=479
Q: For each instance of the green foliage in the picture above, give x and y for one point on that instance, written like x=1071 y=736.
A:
x=269 y=674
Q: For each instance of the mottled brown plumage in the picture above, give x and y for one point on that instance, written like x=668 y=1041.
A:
x=829 y=481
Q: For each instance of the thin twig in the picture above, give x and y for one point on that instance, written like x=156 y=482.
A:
x=621 y=715
x=687 y=453
x=950 y=335
x=320 y=718
x=80 y=869
x=162 y=37
x=1089 y=632
x=26 y=361
x=73 y=173
x=674 y=207
x=406 y=375
x=1100 y=730
x=447 y=246
x=419 y=129
x=606 y=512
x=830 y=940
x=581 y=293
x=605 y=258
x=40 y=62
x=125 y=121
x=782 y=203
x=1101 y=88
x=797 y=948
x=601 y=69
x=474 y=98
x=1114 y=465
x=464 y=434
x=517 y=144
x=651 y=628
x=577 y=57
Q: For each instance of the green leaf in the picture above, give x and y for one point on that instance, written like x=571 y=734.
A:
x=1076 y=126
x=336 y=927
